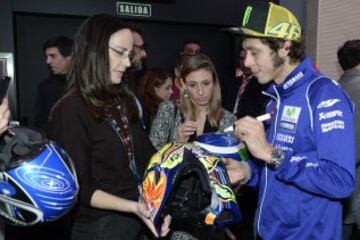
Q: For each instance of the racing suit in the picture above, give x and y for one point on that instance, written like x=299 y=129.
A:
x=313 y=123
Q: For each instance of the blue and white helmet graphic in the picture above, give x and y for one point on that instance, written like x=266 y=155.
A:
x=38 y=182
x=221 y=144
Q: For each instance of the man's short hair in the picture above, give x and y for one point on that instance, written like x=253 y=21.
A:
x=138 y=31
x=191 y=41
x=64 y=44
x=349 y=54
x=296 y=51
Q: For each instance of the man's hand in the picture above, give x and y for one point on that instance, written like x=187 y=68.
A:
x=252 y=133
x=238 y=171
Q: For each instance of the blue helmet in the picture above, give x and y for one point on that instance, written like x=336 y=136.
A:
x=224 y=145
x=38 y=182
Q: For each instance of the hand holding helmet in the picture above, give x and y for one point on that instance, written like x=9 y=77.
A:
x=38 y=182
x=190 y=182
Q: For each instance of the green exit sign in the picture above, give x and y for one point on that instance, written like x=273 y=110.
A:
x=133 y=9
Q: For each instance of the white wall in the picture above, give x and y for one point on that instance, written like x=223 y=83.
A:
x=332 y=22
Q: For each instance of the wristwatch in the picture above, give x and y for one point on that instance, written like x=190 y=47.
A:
x=277 y=157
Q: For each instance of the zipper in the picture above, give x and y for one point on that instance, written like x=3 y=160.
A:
x=277 y=100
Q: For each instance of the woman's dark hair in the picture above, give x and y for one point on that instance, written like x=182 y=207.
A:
x=89 y=72
x=152 y=78
x=297 y=49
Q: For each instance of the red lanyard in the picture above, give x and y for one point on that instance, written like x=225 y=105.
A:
x=122 y=130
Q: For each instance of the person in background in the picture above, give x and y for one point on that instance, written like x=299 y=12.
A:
x=191 y=47
x=138 y=67
x=57 y=52
x=155 y=87
x=198 y=112
x=178 y=83
x=349 y=60
x=4 y=115
x=304 y=163
x=97 y=124
x=249 y=101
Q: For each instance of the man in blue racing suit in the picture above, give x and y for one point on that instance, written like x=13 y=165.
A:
x=305 y=160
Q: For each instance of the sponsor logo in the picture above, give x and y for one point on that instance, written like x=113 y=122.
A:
x=310 y=164
x=247 y=15
x=328 y=103
x=285 y=148
x=288 y=126
x=297 y=159
x=284 y=138
x=293 y=80
x=326 y=127
x=290 y=114
x=326 y=115
x=289 y=118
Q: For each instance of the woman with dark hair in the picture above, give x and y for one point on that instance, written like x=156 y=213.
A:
x=97 y=123
x=155 y=87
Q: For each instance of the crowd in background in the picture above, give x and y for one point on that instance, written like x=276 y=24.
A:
x=102 y=102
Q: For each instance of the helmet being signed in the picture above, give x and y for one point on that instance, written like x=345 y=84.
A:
x=224 y=145
x=38 y=182
x=190 y=184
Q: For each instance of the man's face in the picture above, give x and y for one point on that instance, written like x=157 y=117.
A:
x=264 y=63
x=139 y=52
x=244 y=69
x=57 y=62
x=191 y=49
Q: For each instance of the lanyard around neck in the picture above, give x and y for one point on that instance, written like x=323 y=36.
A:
x=121 y=128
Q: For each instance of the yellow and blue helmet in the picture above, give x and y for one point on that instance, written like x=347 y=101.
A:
x=191 y=184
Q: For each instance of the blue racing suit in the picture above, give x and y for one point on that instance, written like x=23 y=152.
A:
x=313 y=122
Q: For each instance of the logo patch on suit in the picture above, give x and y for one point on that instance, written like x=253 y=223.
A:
x=289 y=118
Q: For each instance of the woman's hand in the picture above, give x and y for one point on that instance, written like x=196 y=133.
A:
x=143 y=212
x=104 y=200
x=185 y=130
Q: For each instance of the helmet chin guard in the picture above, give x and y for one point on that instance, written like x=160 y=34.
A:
x=38 y=181
x=191 y=185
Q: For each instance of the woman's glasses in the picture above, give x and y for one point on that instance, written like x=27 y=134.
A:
x=122 y=53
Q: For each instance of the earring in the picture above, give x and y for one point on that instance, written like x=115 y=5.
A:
x=186 y=93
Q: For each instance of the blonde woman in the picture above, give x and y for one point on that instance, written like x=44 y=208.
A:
x=199 y=110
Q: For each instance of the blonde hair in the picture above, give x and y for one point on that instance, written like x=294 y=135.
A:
x=187 y=107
